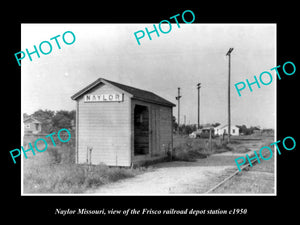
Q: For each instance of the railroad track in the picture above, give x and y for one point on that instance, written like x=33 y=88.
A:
x=226 y=178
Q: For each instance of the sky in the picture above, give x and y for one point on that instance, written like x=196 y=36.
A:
x=182 y=58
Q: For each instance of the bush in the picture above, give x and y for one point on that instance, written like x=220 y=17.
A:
x=221 y=147
x=188 y=155
x=61 y=154
x=186 y=149
x=189 y=149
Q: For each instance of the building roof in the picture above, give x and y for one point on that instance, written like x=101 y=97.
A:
x=135 y=93
x=31 y=120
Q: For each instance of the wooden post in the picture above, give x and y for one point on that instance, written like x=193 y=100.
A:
x=210 y=147
x=198 y=87
x=178 y=109
x=87 y=155
x=90 y=155
x=229 y=119
x=178 y=118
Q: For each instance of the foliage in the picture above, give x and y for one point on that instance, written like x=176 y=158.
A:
x=44 y=116
x=71 y=178
x=183 y=128
x=63 y=119
x=191 y=149
x=247 y=131
x=215 y=124
x=53 y=121
x=54 y=170
x=187 y=129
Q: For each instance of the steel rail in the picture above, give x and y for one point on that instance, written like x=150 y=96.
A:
x=229 y=177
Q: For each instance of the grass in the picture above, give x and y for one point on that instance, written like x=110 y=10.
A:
x=54 y=171
x=258 y=179
x=243 y=144
x=190 y=149
x=71 y=178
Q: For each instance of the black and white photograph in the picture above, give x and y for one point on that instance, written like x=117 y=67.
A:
x=143 y=109
x=138 y=112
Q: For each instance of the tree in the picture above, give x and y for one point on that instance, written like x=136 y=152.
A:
x=247 y=131
x=216 y=124
x=45 y=116
x=187 y=129
x=54 y=121
x=63 y=119
x=243 y=129
x=25 y=116
x=252 y=129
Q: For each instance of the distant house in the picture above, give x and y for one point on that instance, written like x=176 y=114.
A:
x=257 y=131
x=223 y=129
x=268 y=132
x=32 y=125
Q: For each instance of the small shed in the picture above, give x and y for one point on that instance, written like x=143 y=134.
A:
x=119 y=125
x=32 y=125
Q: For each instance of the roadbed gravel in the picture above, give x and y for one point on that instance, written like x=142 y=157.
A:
x=175 y=177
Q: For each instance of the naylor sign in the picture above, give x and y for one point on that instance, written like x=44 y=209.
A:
x=115 y=97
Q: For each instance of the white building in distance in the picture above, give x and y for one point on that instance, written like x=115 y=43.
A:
x=223 y=129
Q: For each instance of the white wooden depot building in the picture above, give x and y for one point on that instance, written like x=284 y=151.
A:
x=119 y=125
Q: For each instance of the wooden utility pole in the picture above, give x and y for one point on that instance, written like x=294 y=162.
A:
x=178 y=99
x=229 y=119
x=210 y=144
x=198 y=87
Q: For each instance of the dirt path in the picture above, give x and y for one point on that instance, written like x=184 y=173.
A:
x=175 y=177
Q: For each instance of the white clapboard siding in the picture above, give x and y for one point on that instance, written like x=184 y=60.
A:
x=104 y=127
